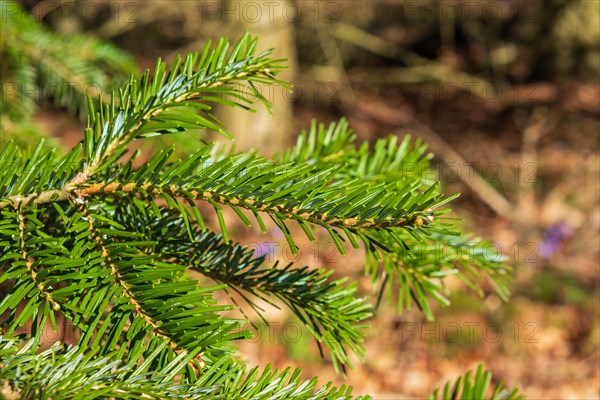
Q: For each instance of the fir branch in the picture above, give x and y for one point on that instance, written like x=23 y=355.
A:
x=70 y=374
x=81 y=205
x=28 y=261
x=143 y=281
x=310 y=294
x=468 y=387
x=387 y=160
x=270 y=384
x=301 y=214
x=414 y=270
x=206 y=78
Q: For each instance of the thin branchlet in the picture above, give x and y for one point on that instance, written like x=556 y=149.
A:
x=116 y=188
x=29 y=261
x=129 y=134
x=82 y=205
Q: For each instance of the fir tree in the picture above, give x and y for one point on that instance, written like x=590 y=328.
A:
x=109 y=243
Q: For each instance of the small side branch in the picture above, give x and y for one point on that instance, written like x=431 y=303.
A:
x=236 y=201
x=82 y=207
x=28 y=261
x=81 y=204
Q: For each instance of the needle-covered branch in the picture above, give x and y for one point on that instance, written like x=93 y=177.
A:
x=329 y=309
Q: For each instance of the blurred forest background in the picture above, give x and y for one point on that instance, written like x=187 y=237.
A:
x=506 y=94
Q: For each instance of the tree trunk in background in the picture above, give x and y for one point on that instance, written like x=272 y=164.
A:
x=260 y=130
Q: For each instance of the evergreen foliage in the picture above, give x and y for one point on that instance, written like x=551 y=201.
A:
x=469 y=387
x=37 y=64
x=108 y=242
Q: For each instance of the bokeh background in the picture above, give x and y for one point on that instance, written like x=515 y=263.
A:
x=506 y=94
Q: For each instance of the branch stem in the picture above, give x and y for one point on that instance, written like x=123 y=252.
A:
x=299 y=214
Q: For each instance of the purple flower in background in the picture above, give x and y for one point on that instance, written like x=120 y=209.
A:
x=263 y=248
x=268 y=248
x=553 y=238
